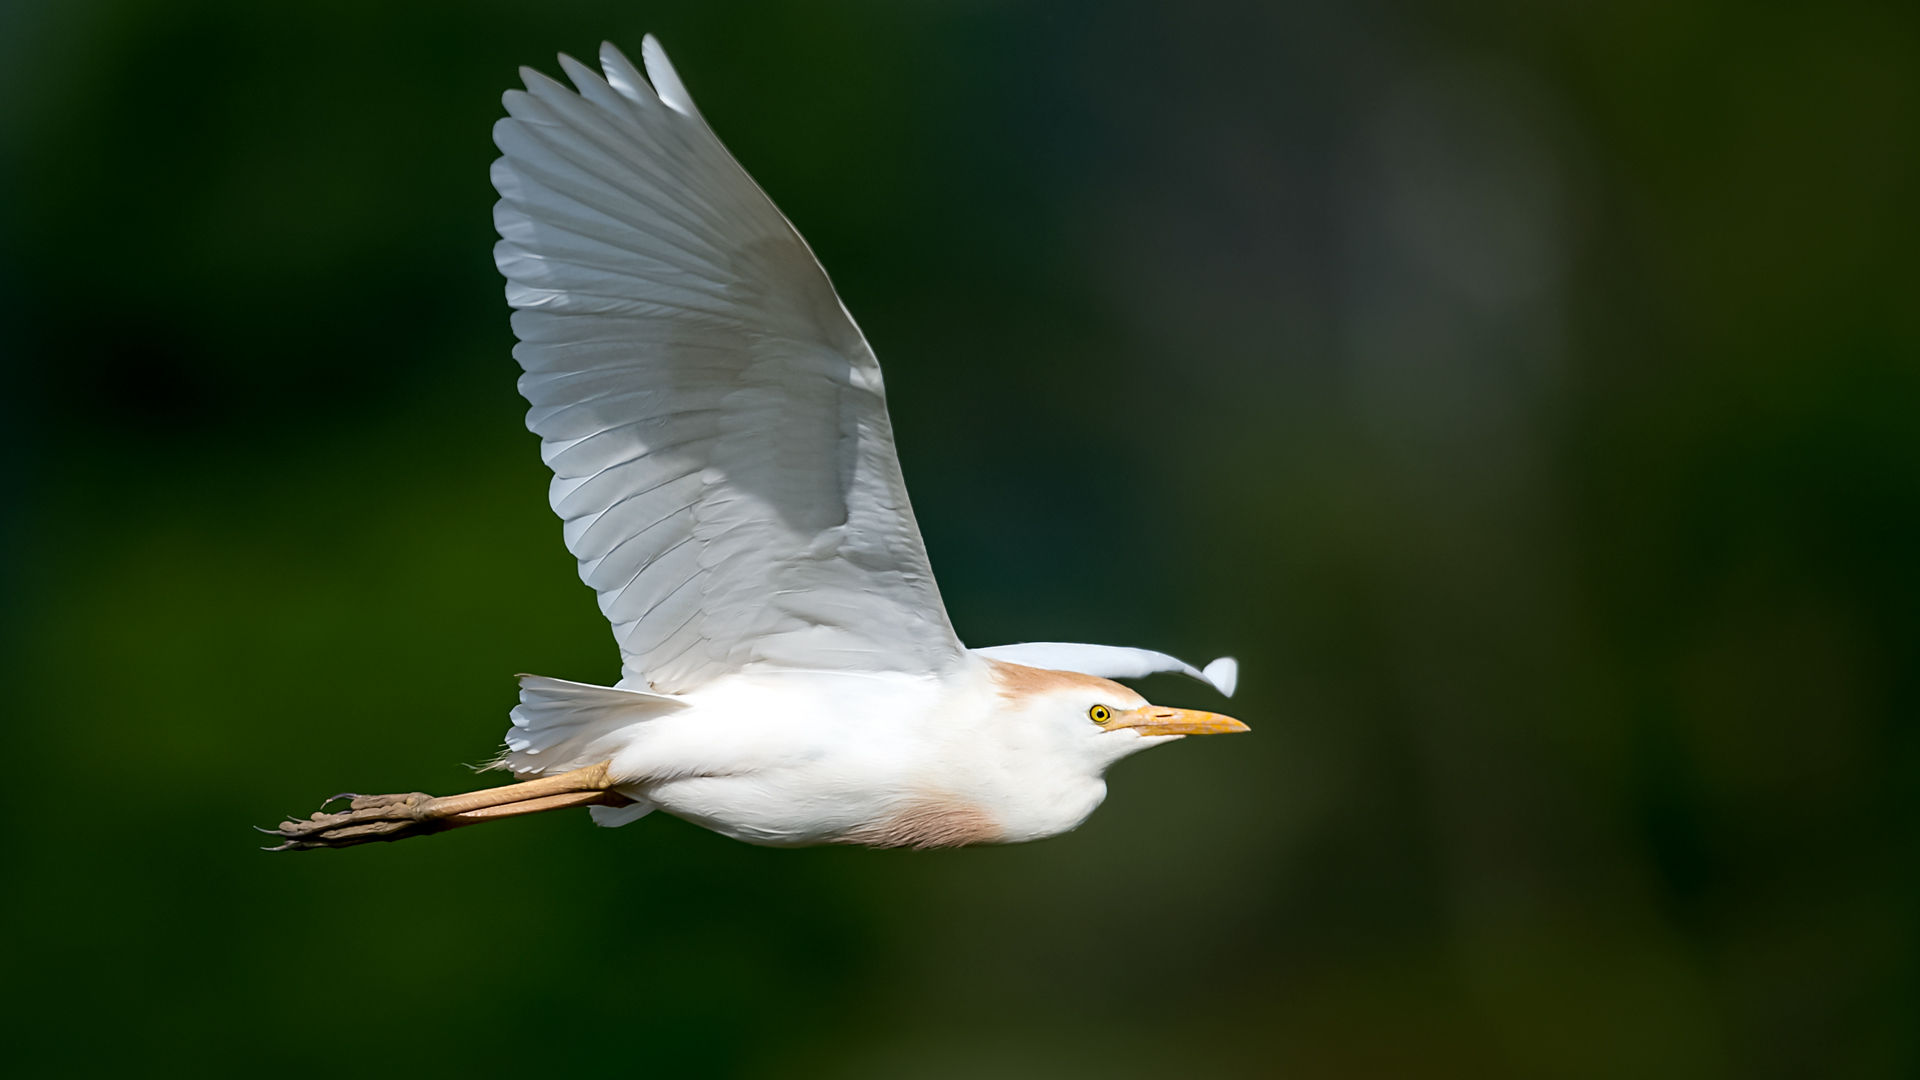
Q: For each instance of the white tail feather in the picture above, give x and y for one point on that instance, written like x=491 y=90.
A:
x=561 y=725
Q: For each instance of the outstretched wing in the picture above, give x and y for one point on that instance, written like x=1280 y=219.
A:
x=1113 y=662
x=715 y=421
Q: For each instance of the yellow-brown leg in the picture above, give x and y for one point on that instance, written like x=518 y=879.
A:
x=371 y=818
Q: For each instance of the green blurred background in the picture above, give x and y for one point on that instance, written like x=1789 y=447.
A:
x=1529 y=395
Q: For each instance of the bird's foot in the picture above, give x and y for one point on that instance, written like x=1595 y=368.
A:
x=368 y=818
x=371 y=818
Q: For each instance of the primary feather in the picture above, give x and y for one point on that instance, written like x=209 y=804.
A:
x=716 y=423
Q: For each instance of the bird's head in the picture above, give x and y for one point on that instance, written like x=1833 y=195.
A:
x=1097 y=718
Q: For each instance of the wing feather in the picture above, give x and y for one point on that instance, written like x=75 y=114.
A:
x=715 y=422
x=1113 y=662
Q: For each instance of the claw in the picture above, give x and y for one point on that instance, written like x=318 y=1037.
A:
x=374 y=818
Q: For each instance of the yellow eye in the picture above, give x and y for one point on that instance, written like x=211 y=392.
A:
x=1100 y=713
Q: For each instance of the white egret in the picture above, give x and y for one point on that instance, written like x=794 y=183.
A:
x=725 y=468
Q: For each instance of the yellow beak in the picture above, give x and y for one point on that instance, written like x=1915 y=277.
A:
x=1155 y=720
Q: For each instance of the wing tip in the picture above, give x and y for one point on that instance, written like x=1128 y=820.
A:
x=624 y=77
x=666 y=81
x=1224 y=674
x=569 y=65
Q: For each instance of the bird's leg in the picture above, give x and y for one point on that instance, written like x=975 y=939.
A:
x=369 y=818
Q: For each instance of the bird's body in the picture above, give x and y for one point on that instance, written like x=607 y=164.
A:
x=831 y=757
x=724 y=465
x=795 y=758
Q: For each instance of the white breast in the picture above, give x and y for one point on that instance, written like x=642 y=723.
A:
x=797 y=758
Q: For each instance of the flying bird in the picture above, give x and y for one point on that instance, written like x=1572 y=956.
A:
x=725 y=468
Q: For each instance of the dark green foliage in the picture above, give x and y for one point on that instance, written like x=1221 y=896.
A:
x=1574 y=569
